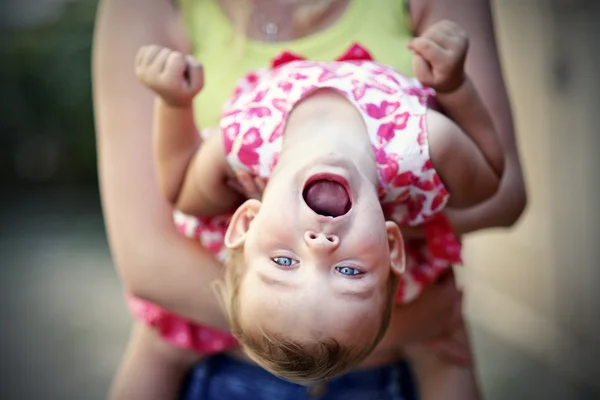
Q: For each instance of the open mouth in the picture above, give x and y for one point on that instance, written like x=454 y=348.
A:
x=327 y=196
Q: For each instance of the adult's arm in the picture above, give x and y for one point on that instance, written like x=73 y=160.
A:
x=435 y=311
x=154 y=261
x=438 y=378
x=484 y=69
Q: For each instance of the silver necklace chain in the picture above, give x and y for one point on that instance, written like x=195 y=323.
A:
x=271 y=31
x=270 y=28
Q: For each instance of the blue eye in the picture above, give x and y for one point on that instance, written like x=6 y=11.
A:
x=348 y=271
x=284 y=261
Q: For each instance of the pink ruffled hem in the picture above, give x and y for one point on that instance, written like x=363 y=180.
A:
x=179 y=331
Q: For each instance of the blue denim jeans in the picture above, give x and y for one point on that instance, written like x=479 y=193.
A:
x=222 y=377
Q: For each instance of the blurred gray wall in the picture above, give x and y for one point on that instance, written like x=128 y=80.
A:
x=537 y=288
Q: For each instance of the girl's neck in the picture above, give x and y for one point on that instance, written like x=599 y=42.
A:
x=323 y=124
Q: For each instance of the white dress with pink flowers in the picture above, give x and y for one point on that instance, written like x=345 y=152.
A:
x=393 y=107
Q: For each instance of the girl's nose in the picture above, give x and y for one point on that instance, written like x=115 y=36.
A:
x=321 y=241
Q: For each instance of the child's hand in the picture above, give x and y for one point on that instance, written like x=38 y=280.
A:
x=440 y=56
x=175 y=77
x=250 y=186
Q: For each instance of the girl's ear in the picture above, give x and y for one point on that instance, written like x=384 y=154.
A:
x=396 y=246
x=235 y=236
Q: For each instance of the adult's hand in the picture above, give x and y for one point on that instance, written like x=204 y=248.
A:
x=452 y=346
x=443 y=332
x=431 y=322
x=436 y=311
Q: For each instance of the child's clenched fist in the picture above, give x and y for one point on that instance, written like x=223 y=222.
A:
x=440 y=56
x=175 y=77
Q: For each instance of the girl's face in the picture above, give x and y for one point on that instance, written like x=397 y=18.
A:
x=332 y=259
x=317 y=250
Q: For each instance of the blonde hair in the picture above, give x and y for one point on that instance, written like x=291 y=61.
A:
x=299 y=362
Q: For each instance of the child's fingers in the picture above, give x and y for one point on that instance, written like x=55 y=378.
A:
x=159 y=61
x=249 y=185
x=140 y=67
x=146 y=63
x=175 y=62
x=140 y=56
x=233 y=184
x=149 y=54
x=442 y=39
x=260 y=184
x=244 y=179
x=428 y=49
x=446 y=34
x=173 y=72
x=194 y=73
x=422 y=70
x=451 y=33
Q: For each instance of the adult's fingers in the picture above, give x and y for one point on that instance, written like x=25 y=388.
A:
x=452 y=351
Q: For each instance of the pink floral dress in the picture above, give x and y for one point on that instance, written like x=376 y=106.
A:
x=393 y=107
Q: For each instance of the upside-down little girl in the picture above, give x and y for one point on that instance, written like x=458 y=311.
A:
x=351 y=151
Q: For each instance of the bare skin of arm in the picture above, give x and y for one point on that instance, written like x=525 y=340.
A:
x=151 y=369
x=441 y=379
x=483 y=67
x=503 y=209
x=154 y=261
x=439 y=62
x=439 y=354
x=434 y=311
x=465 y=152
x=443 y=369
x=459 y=162
x=192 y=175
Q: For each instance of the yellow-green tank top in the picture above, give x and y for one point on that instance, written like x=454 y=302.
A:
x=381 y=26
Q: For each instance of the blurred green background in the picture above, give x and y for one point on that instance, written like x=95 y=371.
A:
x=47 y=131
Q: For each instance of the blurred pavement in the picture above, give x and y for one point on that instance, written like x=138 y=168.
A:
x=64 y=324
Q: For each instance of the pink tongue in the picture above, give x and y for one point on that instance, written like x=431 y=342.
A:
x=327 y=198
